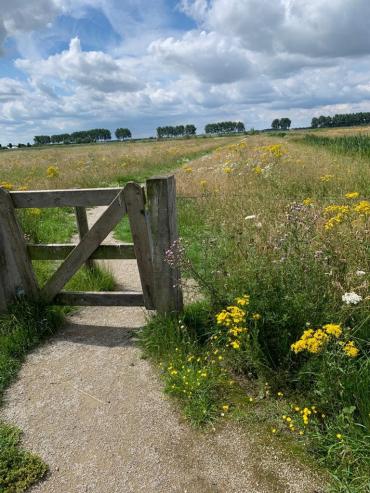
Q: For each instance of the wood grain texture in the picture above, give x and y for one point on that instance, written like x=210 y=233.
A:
x=83 y=228
x=98 y=232
x=56 y=251
x=161 y=194
x=140 y=229
x=103 y=298
x=16 y=274
x=83 y=197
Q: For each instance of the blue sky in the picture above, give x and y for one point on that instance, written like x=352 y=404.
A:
x=67 y=65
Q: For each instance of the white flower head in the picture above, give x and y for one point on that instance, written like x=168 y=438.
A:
x=360 y=273
x=351 y=298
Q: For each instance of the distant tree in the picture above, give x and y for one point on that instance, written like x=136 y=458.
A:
x=285 y=123
x=123 y=133
x=28 y=144
x=314 y=122
x=275 y=124
x=10 y=145
x=240 y=127
x=190 y=130
x=42 y=139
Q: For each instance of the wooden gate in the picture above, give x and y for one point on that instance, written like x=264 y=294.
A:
x=152 y=217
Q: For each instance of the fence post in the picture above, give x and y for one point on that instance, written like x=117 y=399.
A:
x=161 y=194
x=16 y=274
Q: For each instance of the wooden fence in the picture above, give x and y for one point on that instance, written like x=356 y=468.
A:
x=152 y=218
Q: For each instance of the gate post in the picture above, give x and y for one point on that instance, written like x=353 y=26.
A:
x=161 y=194
x=16 y=274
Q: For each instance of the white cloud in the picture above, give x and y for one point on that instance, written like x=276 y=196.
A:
x=210 y=57
x=92 y=69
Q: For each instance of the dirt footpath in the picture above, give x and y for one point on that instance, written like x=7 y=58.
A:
x=95 y=412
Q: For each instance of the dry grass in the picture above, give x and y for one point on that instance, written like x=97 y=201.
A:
x=99 y=164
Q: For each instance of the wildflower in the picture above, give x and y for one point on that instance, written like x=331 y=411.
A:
x=258 y=170
x=351 y=298
x=52 y=171
x=363 y=207
x=203 y=183
x=188 y=169
x=336 y=209
x=333 y=329
x=326 y=178
x=350 y=349
x=256 y=316
x=307 y=202
x=35 y=211
x=174 y=372
x=225 y=407
x=339 y=436
x=352 y=195
x=244 y=300
x=235 y=345
x=360 y=273
x=273 y=430
x=280 y=394
x=6 y=185
x=228 y=170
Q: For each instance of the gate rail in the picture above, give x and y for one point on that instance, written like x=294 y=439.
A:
x=152 y=217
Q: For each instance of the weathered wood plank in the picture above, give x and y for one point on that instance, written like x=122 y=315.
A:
x=83 y=228
x=16 y=273
x=98 y=232
x=84 y=197
x=104 y=298
x=55 y=251
x=140 y=229
x=161 y=194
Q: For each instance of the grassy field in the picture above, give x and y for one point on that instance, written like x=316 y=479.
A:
x=275 y=230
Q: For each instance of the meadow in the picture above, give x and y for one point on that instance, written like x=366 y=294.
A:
x=275 y=232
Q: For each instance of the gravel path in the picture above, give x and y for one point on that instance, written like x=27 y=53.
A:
x=95 y=412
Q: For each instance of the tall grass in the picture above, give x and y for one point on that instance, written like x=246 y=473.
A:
x=358 y=145
x=262 y=218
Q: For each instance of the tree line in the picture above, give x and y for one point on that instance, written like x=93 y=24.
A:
x=177 y=131
x=341 y=120
x=81 y=137
x=281 y=124
x=224 y=127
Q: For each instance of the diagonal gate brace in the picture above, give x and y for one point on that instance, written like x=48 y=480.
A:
x=89 y=243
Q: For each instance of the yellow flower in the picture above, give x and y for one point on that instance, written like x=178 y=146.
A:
x=326 y=178
x=228 y=170
x=308 y=201
x=339 y=436
x=256 y=316
x=35 y=212
x=258 y=170
x=350 y=349
x=174 y=372
x=280 y=394
x=188 y=169
x=225 y=407
x=363 y=207
x=52 y=171
x=333 y=329
x=6 y=185
x=273 y=430
x=203 y=183
x=352 y=195
x=235 y=345
x=243 y=300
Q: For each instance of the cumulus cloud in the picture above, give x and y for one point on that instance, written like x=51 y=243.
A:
x=209 y=56
x=92 y=69
x=313 y=28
